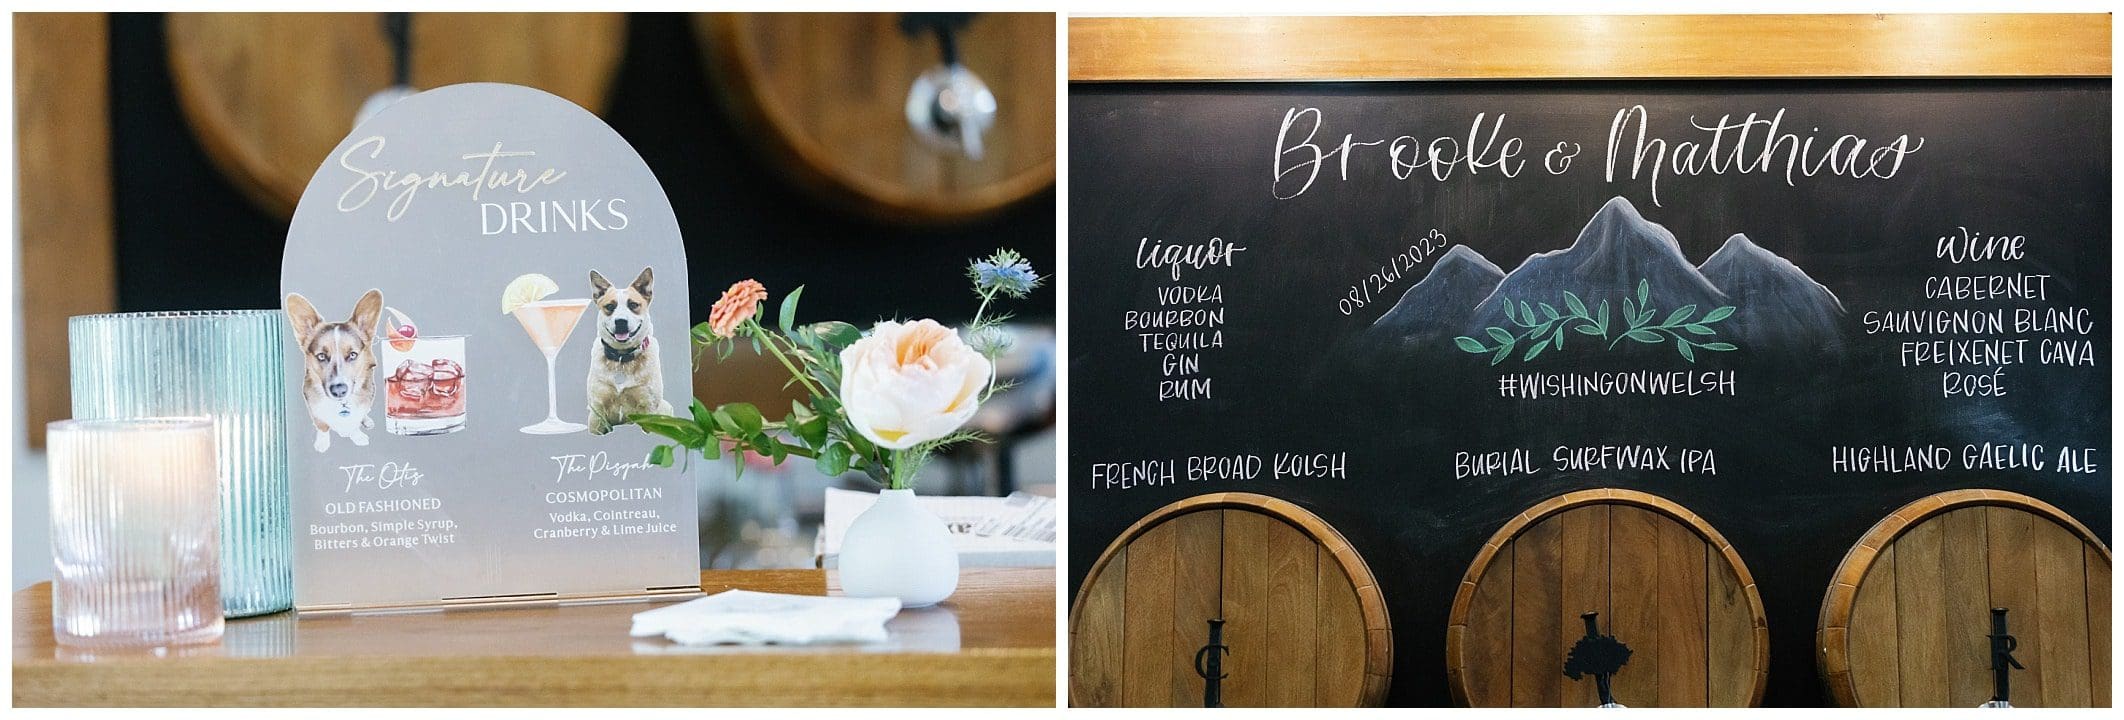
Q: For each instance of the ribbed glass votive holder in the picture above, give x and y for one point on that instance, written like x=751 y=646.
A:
x=136 y=522
x=226 y=365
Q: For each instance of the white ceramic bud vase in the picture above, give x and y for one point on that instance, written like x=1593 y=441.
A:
x=899 y=549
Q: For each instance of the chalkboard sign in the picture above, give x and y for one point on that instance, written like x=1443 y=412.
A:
x=1417 y=309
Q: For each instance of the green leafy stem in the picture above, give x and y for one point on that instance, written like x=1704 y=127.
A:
x=1542 y=327
x=817 y=425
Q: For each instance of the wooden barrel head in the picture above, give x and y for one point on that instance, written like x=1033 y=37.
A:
x=1664 y=582
x=1906 y=619
x=270 y=94
x=1305 y=621
x=825 y=95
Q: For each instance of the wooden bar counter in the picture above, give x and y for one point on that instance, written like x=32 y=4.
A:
x=991 y=644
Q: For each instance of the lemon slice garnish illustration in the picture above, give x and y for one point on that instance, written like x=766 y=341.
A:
x=524 y=289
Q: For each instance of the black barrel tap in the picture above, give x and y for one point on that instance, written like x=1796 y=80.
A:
x=1600 y=656
x=2002 y=662
x=1209 y=663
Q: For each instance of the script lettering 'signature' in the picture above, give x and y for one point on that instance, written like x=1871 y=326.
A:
x=368 y=183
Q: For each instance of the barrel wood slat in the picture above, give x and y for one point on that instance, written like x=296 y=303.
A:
x=1876 y=608
x=1097 y=657
x=1968 y=665
x=1293 y=594
x=1150 y=640
x=1683 y=636
x=1340 y=639
x=1665 y=583
x=1488 y=634
x=1635 y=600
x=1904 y=621
x=1537 y=586
x=1736 y=645
x=2061 y=587
x=1246 y=620
x=1197 y=586
x=1585 y=586
x=2098 y=625
x=1921 y=649
x=2012 y=568
x=1303 y=616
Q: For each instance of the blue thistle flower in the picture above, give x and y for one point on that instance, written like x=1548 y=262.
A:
x=1005 y=272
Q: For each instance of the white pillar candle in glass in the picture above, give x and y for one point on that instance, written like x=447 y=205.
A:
x=136 y=525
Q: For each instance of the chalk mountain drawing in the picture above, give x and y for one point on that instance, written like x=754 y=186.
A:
x=1782 y=305
x=1443 y=303
x=1617 y=249
x=1620 y=255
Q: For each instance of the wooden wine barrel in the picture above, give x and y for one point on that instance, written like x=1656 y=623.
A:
x=1906 y=620
x=825 y=96
x=1664 y=582
x=270 y=94
x=1304 y=619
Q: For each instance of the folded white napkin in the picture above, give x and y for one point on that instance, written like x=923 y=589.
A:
x=743 y=617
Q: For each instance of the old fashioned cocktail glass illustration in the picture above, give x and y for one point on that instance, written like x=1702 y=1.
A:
x=548 y=323
x=424 y=384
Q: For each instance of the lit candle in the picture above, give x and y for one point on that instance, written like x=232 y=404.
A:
x=226 y=364
x=136 y=526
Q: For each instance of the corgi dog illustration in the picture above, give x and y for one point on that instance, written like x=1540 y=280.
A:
x=339 y=367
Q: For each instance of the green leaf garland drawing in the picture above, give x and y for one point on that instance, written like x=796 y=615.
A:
x=1541 y=327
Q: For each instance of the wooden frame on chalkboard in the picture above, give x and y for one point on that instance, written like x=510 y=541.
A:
x=1472 y=47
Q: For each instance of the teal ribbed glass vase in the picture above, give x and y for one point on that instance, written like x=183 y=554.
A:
x=227 y=365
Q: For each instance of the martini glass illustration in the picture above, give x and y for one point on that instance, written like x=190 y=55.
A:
x=549 y=323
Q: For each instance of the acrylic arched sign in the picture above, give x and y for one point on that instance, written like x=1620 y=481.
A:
x=482 y=281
